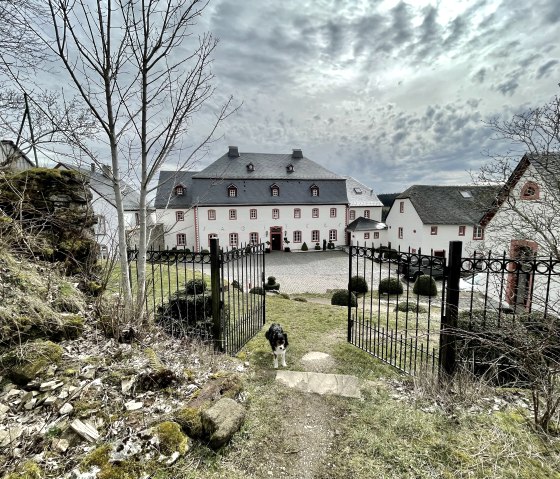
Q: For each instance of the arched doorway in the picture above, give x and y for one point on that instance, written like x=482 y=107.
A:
x=276 y=238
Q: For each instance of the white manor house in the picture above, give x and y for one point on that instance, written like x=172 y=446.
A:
x=283 y=199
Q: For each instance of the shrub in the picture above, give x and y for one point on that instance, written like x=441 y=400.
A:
x=304 y=246
x=186 y=314
x=425 y=285
x=358 y=284
x=272 y=287
x=257 y=290
x=235 y=284
x=388 y=253
x=195 y=286
x=317 y=246
x=271 y=280
x=340 y=298
x=205 y=251
x=390 y=286
x=406 y=306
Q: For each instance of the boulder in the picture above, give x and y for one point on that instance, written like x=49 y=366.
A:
x=222 y=421
x=22 y=365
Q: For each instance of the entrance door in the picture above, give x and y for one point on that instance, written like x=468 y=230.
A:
x=276 y=238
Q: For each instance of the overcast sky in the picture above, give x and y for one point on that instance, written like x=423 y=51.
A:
x=392 y=93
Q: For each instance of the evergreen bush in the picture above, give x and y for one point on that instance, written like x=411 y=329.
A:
x=390 y=286
x=304 y=246
x=358 y=284
x=195 y=286
x=257 y=290
x=410 y=306
x=340 y=298
x=425 y=285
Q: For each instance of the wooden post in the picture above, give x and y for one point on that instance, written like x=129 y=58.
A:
x=215 y=280
x=447 y=344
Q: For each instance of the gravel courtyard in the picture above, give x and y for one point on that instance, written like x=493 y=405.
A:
x=310 y=272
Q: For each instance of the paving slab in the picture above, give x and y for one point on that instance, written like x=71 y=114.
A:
x=320 y=383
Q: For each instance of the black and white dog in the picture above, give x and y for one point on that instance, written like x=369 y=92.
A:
x=278 y=340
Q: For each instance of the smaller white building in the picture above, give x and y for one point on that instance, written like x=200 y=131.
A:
x=426 y=218
x=364 y=215
x=12 y=158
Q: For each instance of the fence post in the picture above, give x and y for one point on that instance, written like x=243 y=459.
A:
x=349 y=293
x=447 y=344
x=215 y=280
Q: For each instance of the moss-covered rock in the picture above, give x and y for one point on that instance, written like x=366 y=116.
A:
x=24 y=364
x=171 y=438
x=30 y=470
x=189 y=418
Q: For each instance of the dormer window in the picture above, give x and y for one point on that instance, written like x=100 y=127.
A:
x=314 y=190
x=179 y=190
x=358 y=191
x=250 y=167
x=530 y=191
x=274 y=190
x=232 y=191
x=290 y=168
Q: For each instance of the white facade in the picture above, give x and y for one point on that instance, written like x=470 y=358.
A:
x=246 y=224
x=406 y=230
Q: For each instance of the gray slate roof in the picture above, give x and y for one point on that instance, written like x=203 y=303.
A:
x=167 y=182
x=209 y=187
x=266 y=166
x=360 y=194
x=365 y=224
x=445 y=205
x=102 y=185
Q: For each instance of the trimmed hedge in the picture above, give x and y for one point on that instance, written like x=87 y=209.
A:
x=195 y=286
x=390 y=286
x=358 y=284
x=340 y=298
x=257 y=290
x=304 y=246
x=410 y=306
x=425 y=285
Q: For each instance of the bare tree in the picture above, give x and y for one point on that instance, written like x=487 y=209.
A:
x=534 y=137
x=127 y=60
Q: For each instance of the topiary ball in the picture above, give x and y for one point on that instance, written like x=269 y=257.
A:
x=195 y=286
x=358 y=284
x=390 y=286
x=409 y=306
x=340 y=298
x=425 y=285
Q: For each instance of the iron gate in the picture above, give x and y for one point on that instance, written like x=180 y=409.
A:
x=414 y=327
x=215 y=295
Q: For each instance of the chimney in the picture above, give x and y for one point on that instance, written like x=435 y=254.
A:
x=297 y=153
x=233 y=152
x=93 y=167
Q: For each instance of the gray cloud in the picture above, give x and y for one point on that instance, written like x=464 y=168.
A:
x=546 y=68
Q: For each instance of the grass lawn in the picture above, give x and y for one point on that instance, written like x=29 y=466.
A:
x=387 y=434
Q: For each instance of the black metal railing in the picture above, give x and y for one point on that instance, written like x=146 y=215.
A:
x=413 y=327
x=214 y=296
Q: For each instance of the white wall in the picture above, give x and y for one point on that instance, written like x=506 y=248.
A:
x=417 y=235
x=374 y=212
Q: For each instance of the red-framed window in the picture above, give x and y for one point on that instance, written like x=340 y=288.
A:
x=233 y=240
x=478 y=232
x=275 y=190
x=376 y=235
x=333 y=212
x=253 y=213
x=366 y=236
x=462 y=230
x=433 y=230
x=254 y=238
x=366 y=214
x=333 y=235
x=530 y=191
x=232 y=214
x=401 y=206
x=275 y=213
x=401 y=232
x=315 y=213
x=315 y=236
x=180 y=215
x=181 y=239
x=352 y=215
x=297 y=236
x=179 y=190
x=211 y=214
x=297 y=213
x=314 y=190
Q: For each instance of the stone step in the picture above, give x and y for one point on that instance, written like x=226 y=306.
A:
x=320 y=383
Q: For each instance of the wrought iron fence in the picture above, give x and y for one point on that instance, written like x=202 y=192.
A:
x=425 y=312
x=215 y=296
